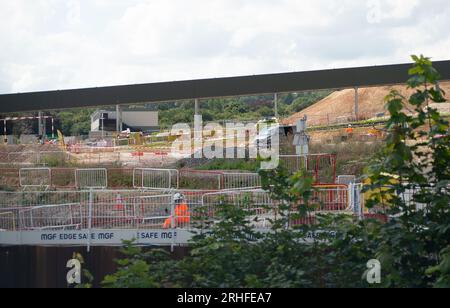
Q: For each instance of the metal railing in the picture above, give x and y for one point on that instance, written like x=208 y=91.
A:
x=151 y=212
x=346 y=179
x=150 y=178
x=259 y=205
x=236 y=180
x=35 y=177
x=7 y=221
x=52 y=217
x=331 y=198
x=127 y=178
x=155 y=209
x=91 y=178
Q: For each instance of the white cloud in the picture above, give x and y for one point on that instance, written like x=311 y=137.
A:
x=74 y=12
x=51 y=44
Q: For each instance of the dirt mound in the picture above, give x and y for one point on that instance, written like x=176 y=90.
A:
x=338 y=107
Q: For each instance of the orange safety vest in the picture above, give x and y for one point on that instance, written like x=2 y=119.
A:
x=182 y=216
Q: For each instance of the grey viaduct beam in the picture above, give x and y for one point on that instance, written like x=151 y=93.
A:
x=212 y=88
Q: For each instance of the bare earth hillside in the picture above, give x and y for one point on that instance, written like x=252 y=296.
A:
x=338 y=107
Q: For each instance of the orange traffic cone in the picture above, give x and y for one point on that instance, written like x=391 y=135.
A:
x=119 y=206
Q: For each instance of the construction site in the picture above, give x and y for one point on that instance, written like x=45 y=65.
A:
x=73 y=193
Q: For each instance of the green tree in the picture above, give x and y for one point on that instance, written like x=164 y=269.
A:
x=76 y=122
x=139 y=269
x=414 y=164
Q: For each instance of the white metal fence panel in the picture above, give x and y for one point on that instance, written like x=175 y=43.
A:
x=27 y=199
x=152 y=212
x=236 y=180
x=331 y=198
x=91 y=178
x=346 y=179
x=52 y=217
x=356 y=200
x=410 y=197
x=110 y=211
x=150 y=178
x=140 y=209
x=293 y=163
x=35 y=177
x=7 y=221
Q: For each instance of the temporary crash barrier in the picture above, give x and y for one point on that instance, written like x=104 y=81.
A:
x=151 y=178
x=35 y=177
x=141 y=209
x=91 y=178
x=256 y=202
x=241 y=180
x=52 y=217
x=7 y=221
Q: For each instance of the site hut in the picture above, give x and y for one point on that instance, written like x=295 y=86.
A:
x=106 y=121
x=27 y=129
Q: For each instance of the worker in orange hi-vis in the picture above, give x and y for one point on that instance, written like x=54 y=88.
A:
x=182 y=216
x=349 y=131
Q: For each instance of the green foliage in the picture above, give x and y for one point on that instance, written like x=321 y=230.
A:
x=228 y=164
x=140 y=269
x=120 y=179
x=225 y=255
x=415 y=158
x=53 y=161
x=249 y=108
x=442 y=271
x=75 y=122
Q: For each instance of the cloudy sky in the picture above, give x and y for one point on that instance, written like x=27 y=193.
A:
x=56 y=44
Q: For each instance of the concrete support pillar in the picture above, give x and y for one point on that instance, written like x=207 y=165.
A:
x=197 y=107
x=44 y=128
x=53 y=128
x=356 y=104
x=5 y=135
x=119 y=123
x=40 y=124
x=275 y=104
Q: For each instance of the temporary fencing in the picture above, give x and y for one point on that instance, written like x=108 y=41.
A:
x=91 y=178
x=321 y=166
x=346 y=179
x=256 y=202
x=35 y=177
x=7 y=221
x=156 y=178
x=154 y=209
x=241 y=180
x=52 y=217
